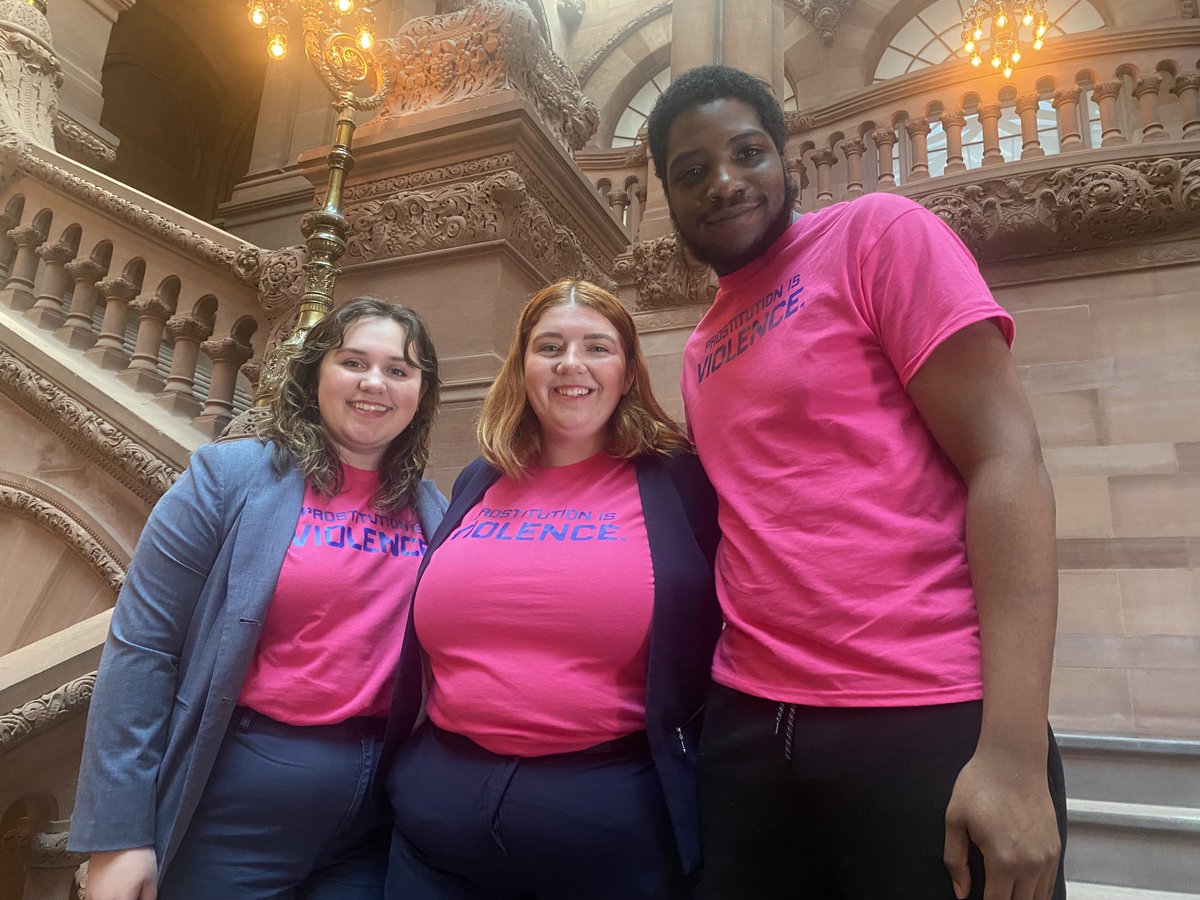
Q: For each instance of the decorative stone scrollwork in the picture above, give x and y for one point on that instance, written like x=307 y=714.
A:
x=133 y=465
x=30 y=73
x=500 y=206
x=470 y=168
x=46 y=711
x=278 y=275
x=664 y=275
x=823 y=15
x=488 y=47
x=1190 y=9
x=797 y=123
x=1073 y=208
x=70 y=135
x=43 y=849
x=636 y=155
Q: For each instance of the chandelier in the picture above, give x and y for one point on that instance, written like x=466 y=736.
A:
x=1000 y=23
x=335 y=16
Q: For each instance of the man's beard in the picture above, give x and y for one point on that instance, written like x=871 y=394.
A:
x=791 y=193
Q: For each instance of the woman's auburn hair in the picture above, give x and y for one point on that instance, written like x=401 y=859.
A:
x=294 y=426
x=509 y=432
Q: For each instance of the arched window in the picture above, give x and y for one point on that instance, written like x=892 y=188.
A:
x=633 y=118
x=934 y=35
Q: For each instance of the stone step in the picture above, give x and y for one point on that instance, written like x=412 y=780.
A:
x=1155 y=771
x=1133 y=845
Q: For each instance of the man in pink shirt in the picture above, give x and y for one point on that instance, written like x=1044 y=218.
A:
x=877 y=726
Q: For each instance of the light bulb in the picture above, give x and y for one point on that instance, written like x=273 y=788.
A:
x=1037 y=45
x=1016 y=57
x=995 y=62
x=258 y=16
x=969 y=46
x=1008 y=71
x=1028 y=20
x=1001 y=20
x=1041 y=30
x=977 y=33
x=344 y=6
x=976 y=60
x=366 y=40
x=277 y=46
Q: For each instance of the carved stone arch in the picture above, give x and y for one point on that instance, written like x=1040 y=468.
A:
x=168 y=291
x=71 y=236
x=52 y=590
x=15 y=207
x=44 y=220
x=934 y=109
x=834 y=139
x=1046 y=85
x=1128 y=70
x=244 y=330
x=623 y=64
x=1168 y=67
x=102 y=253
x=205 y=310
x=134 y=271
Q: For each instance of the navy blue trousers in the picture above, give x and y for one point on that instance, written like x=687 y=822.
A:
x=287 y=813
x=572 y=826
x=814 y=803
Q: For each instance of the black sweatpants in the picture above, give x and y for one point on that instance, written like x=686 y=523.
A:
x=815 y=803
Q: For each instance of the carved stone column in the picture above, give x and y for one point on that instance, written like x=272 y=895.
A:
x=1066 y=106
x=47 y=311
x=77 y=332
x=746 y=36
x=1027 y=109
x=18 y=292
x=635 y=209
x=1105 y=96
x=1186 y=88
x=918 y=138
x=227 y=355
x=697 y=43
x=109 y=350
x=854 y=151
x=989 y=120
x=885 y=140
x=824 y=161
x=49 y=865
x=618 y=202
x=187 y=332
x=796 y=169
x=953 y=124
x=142 y=373
x=8 y=248
x=1146 y=91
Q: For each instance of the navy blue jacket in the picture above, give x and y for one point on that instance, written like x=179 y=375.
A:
x=680 y=509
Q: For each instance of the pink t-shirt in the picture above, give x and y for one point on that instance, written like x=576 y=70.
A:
x=842 y=571
x=535 y=612
x=332 y=634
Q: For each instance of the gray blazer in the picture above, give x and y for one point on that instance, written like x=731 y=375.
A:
x=183 y=634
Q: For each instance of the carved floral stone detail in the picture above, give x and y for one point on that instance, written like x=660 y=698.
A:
x=70 y=135
x=488 y=47
x=798 y=122
x=467 y=169
x=499 y=206
x=664 y=275
x=30 y=73
x=278 y=276
x=43 y=849
x=823 y=15
x=1072 y=208
x=46 y=711
x=137 y=467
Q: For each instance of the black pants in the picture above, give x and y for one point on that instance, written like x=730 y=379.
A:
x=472 y=825
x=813 y=803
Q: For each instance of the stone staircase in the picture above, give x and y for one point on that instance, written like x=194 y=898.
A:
x=1134 y=817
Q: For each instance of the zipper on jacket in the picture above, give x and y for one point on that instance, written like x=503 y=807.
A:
x=682 y=745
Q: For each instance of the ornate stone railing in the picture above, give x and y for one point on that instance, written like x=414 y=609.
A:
x=171 y=305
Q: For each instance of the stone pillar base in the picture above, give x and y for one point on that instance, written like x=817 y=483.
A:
x=179 y=404
x=212 y=425
x=142 y=380
x=108 y=358
x=17 y=298
x=76 y=338
x=45 y=318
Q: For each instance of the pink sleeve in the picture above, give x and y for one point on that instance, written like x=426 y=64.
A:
x=919 y=285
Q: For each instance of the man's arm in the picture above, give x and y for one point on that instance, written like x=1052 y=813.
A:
x=971 y=398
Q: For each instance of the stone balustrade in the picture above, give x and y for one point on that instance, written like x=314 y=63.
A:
x=166 y=303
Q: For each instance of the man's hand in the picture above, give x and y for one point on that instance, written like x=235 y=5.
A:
x=123 y=875
x=1003 y=805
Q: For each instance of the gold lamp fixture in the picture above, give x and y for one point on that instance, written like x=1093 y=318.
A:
x=993 y=29
x=353 y=18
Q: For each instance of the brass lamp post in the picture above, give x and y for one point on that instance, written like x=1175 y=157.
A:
x=339 y=41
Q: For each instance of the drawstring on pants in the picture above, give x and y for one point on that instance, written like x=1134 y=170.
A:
x=791 y=727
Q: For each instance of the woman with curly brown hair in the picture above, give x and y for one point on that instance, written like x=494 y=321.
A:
x=239 y=708
x=566 y=618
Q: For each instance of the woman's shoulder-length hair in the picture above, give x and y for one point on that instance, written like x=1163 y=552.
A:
x=509 y=433
x=294 y=422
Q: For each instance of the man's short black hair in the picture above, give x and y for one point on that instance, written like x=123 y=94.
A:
x=704 y=85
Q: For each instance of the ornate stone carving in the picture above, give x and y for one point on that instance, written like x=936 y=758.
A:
x=189 y=328
x=184 y=239
x=634 y=24
x=1190 y=9
x=30 y=73
x=571 y=12
x=636 y=155
x=133 y=465
x=797 y=122
x=470 y=168
x=664 y=275
x=70 y=135
x=277 y=275
x=499 y=206
x=491 y=46
x=823 y=15
x=43 y=849
x=46 y=711
x=1073 y=208
x=60 y=253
